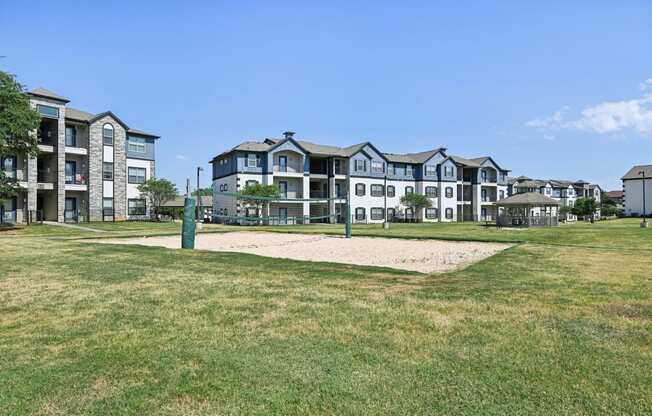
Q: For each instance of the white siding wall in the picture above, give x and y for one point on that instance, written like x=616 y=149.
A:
x=132 y=188
x=634 y=196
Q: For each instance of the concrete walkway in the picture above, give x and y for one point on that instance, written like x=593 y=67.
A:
x=75 y=226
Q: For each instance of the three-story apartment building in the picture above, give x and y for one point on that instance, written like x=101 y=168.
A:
x=374 y=182
x=564 y=191
x=88 y=168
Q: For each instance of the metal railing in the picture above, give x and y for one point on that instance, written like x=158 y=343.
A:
x=527 y=221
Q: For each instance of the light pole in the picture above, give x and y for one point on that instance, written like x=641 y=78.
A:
x=644 y=223
x=199 y=169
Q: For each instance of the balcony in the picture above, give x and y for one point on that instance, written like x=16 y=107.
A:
x=76 y=183
x=76 y=150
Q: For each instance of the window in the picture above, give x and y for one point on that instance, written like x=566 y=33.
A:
x=359 y=189
x=8 y=166
x=360 y=165
x=137 y=175
x=483 y=195
x=136 y=144
x=431 y=170
x=391 y=213
x=449 y=192
x=449 y=213
x=448 y=171
x=431 y=191
x=283 y=189
x=377 y=190
x=483 y=175
x=251 y=183
x=390 y=169
x=71 y=136
x=408 y=170
x=107 y=171
x=137 y=207
x=409 y=213
x=107 y=207
x=107 y=134
x=252 y=160
x=502 y=194
x=71 y=171
x=48 y=111
x=377 y=167
x=431 y=213
x=409 y=190
x=359 y=214
x=391 y=191
x=377 y=213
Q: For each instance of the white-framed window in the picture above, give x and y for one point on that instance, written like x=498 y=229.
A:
x=431 y=191
x=377 y=190
x=391 y=191
x=107 y=134
x=409 y=213
x=408 y=170
x=449 y=213
x=390 y=169
x=448 y=171
x=107 y=171
x=107 y=207
x=47 y=111
x=136 y=144
x=360 y=165
x=377 y=166
x=251 y=183
x=449 y=192
x=359 y=214
x=359 y=189
x=431 y=213
x=137 y=206
x=502 y=194
x=137 y=175
x=431 y=170
x=252 y=160
x=391 y=213
x=409 y=190
x=377 y=213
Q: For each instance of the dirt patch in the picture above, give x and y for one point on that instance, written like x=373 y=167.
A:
x=424 y=256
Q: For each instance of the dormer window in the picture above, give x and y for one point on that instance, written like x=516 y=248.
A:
x=360 y=165
x=252 y=160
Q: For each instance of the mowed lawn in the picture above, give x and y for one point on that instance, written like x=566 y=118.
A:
x=559 y=325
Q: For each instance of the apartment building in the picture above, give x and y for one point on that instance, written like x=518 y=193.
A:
x=564 y=191
x=459 y=189
x=637 y=187
x=88 y=167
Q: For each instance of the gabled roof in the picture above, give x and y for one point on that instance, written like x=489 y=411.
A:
x=532 y=183
x=615 y=194
x=528 y=198
x=464 y=162
x=74 y=114
x=635 y=172
x=483 y=159
x=417 y=158
x=42 y=92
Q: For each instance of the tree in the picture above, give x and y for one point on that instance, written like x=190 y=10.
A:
x=203 y=192
x=158 y=192
x=18 y=123
x=585 y=207
x=261 y=195
x=416 y=202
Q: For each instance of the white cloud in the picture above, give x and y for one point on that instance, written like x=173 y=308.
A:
x=181 y=157
x=607 y=117
x=549 y=137
x=646 y=85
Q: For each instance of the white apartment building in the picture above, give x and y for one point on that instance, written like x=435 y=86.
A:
x=88 y=167
x=566 y=192
x=459 y=189
x=637 y=182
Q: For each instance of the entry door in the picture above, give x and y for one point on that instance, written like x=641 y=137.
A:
x=283 y=215
x=284 y=189
x=70 y=214
x=283 y=163
x=338 y=190
x=484 y=213
x=71 y=171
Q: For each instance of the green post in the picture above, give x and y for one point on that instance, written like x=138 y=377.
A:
x=347 y=228
x=188 y=228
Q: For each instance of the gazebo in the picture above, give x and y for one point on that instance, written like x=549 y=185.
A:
x=530 y=209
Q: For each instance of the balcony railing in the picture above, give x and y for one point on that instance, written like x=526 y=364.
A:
x=75 y=180
x=318 y=194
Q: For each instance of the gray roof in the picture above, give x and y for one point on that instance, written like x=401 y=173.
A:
x=531 y=183
x=42 y=92
x=465 y=162
x=178 y=202
x=80 y=115
x=420 y=157
x=528 y=198
x=634 y=173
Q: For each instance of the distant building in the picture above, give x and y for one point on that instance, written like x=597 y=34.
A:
x=564 y=191
x=633 y=188
x=618 y=197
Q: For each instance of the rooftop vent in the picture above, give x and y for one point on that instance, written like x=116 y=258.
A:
x=288 y=134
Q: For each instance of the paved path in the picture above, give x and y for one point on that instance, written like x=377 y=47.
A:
x=78 y=227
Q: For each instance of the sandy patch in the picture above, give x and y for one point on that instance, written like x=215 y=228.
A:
x=424 y=256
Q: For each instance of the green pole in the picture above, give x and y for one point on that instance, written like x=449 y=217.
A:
x=188 y=228
x=347 y=227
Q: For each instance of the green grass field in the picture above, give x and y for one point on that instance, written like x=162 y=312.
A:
x=560 y=324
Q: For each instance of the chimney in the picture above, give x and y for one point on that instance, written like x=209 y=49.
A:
x=288 y=134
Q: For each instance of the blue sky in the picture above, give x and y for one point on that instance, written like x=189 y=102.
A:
x=550 y=89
